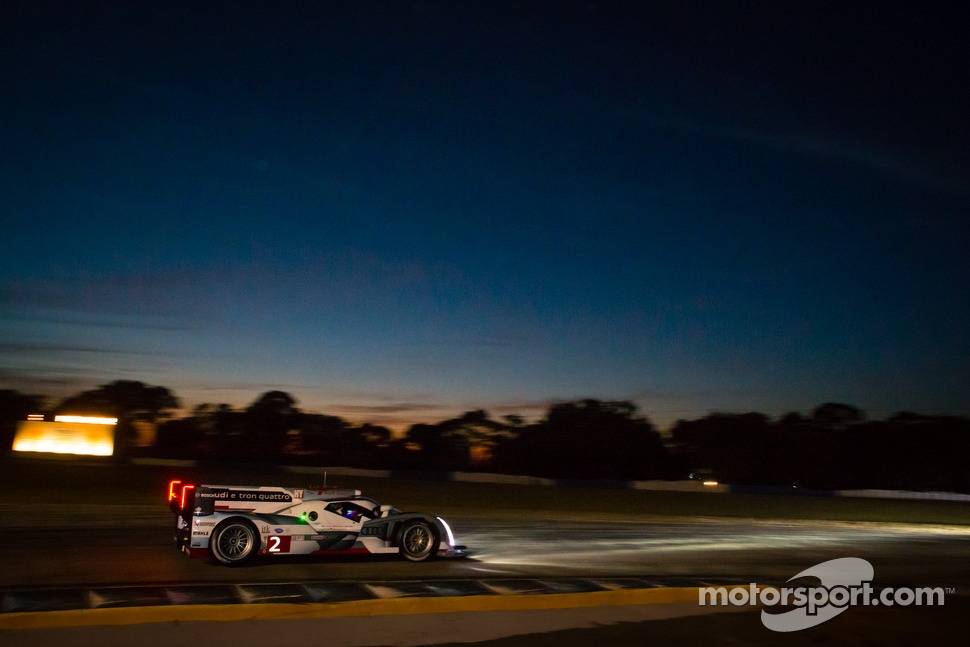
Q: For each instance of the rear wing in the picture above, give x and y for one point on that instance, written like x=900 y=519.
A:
x=187 y=500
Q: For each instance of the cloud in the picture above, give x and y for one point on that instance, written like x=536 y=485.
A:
x=116 y=300
x=398 y=408
x=99 y=321
x=64 y=379
x=805 y=141
x=30 y=348
x=880 y=161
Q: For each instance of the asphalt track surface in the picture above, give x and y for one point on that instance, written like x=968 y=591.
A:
x=95 y=528
x=124 y=545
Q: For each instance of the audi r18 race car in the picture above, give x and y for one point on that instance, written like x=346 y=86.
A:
x=235 y=523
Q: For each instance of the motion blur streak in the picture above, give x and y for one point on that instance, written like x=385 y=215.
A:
x=632 y=547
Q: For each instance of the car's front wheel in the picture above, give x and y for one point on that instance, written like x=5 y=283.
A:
x=418 y=541
x=234 y=542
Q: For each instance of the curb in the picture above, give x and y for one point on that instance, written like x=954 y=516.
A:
x=494 y=600
x=356 y=608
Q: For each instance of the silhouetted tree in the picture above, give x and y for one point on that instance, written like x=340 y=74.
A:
x=180 y=438
x=367 y=446
x=273 y=403
x=374 y=435
x=473 y=437
x=429 y=445
x=735 y=447
x=792 y=419
x=267 y=421
x=325 y=440
x=835 y=415
x=211 y=432
x=832 y=448
x=591 y=439
x=131 y=402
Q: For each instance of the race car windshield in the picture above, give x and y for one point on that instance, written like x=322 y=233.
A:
x=350 y=511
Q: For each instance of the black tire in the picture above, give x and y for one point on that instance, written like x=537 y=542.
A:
x=418 y=541
x=234 y=542
x=180 y=539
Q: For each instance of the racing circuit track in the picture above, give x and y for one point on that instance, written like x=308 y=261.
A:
x=69 y=525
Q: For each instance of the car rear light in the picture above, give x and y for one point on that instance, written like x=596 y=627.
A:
x=173 y=489
x=179 y=495
x=186 y=493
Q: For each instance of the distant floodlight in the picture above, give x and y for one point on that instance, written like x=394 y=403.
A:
x=82 y=435
x=710 y=482
x=87 y=420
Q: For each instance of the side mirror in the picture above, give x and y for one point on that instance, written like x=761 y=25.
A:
x=384 y=510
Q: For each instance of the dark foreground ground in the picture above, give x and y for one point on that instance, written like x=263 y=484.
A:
x=857 y=626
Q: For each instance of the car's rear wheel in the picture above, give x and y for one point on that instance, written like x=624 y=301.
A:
x=418 y=541
x=234 y=542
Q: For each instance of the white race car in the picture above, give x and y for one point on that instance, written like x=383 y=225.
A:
x=235 y=523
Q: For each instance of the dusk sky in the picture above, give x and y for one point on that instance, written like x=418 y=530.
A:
x=400 y=211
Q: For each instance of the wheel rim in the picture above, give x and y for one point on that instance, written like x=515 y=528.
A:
x=417 y=540
x=235 y=542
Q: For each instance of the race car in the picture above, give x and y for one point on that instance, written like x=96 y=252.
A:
x=235 y=523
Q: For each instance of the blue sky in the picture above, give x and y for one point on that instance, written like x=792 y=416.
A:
x=397 y=211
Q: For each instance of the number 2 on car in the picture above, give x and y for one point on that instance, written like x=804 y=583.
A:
x=278 y=544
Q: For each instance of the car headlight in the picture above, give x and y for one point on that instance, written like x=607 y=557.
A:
x=451 y=537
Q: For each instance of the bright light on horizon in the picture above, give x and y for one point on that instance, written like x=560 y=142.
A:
x=87 y=420
x=79 y=435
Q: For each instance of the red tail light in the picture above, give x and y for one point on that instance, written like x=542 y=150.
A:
x=186 y=493
x=172 y=486
x=179 y=497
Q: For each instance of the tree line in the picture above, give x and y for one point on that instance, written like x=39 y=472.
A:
x=832 y=447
